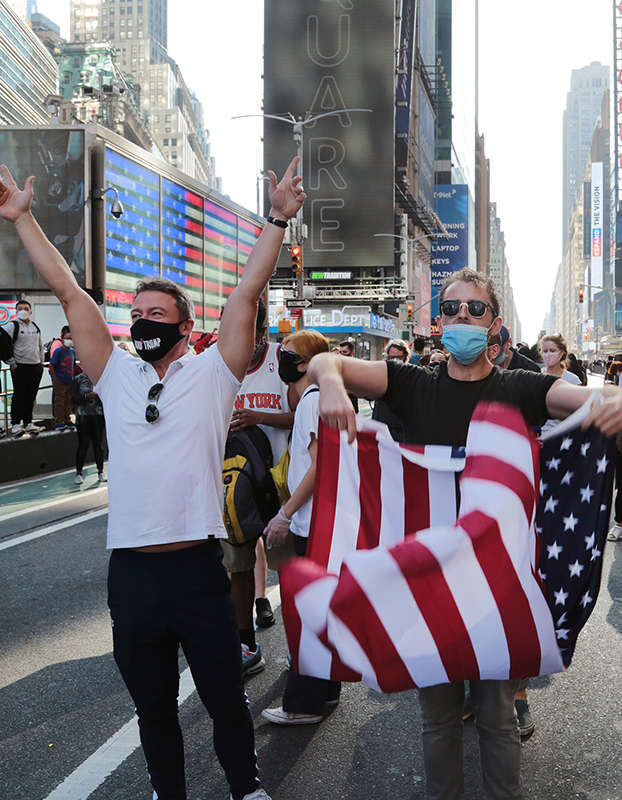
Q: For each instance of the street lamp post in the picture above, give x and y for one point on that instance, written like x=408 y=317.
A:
x=298 y=125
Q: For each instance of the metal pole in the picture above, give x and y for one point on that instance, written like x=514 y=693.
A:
x=300 y=280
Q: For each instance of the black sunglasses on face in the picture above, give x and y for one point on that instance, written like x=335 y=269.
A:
x=475 y=308
x=152 y=413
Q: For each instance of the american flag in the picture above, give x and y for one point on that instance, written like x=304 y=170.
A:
x=576 y=481
x=460 y=599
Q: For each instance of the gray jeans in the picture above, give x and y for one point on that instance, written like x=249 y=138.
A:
x=499 y=739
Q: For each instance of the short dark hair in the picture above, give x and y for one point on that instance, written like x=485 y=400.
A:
x=419 y=344
x=347 y=343
x=183 y=301
x=65 y=329
x=466 y=275
x=398 y=344
x=23 y=303
x=261 y=315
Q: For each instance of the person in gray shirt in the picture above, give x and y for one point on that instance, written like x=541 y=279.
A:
x=26 y=368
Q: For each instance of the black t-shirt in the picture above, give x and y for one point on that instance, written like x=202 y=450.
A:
x=520 y=361
x=437 y=409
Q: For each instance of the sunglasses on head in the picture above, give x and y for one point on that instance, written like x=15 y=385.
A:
x=475 y=308
x=152 y=413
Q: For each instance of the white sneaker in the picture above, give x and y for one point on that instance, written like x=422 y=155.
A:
x=32 y=428
x=78 y=479
x=615 y=533
x=258 y=794
x=17 y=430
x=281 y=717
x=101 y=478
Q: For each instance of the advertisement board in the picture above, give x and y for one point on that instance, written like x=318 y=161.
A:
x=427 y=122
x=597 y=227
x=320 y=58
x=452 y=253
x=56 y=159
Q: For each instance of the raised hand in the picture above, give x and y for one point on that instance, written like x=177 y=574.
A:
x=13 y=202
x=287 y=196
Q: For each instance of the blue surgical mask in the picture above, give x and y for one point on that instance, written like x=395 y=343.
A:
x=465 y=342
x=500 y=359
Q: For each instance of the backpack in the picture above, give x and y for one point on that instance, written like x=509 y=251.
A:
x=6 y=346
x=7 y=341
x=47 y=346
x=250 y=497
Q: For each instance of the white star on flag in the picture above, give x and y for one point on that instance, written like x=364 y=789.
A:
x=590 y=541
x=554 y=550
x=586 y=494
x=560 y=597
x=575 y=569
x=562 y=619
x=562 y=633
x=567 y=478
x=585 y=447
x=550 y=504
x=586 y=599
x=543 y=487
x=602 y=465
x=565 y=445
x=553 y=463
x=595 y=554
x=570 y=522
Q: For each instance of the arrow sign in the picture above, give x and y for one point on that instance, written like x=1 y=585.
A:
x=298 y=303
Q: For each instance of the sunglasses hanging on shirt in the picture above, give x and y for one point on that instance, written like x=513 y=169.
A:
x=152 y=412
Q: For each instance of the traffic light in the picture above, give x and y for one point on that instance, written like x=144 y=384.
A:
x=409 y=312
x=296 y=252
x=581 y=290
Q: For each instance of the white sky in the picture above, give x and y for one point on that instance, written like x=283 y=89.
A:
x=527 y=52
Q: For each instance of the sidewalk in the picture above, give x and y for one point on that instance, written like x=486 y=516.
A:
x=40 y=501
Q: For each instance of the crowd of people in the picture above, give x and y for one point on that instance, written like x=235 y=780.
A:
x=168 y=416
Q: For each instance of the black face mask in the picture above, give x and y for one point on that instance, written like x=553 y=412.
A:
x=288 y=367
x=153 y=340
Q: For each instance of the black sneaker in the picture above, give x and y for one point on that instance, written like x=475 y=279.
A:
x=265 y=617
x=525 y=720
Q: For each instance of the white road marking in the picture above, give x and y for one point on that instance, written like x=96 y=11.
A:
x=87 y=493
x=67 y=523
x=84 y=780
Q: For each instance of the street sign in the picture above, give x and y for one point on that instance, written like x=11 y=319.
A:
x=294 y=303
x=295 y=313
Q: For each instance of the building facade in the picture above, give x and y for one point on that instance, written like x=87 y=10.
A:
x=28 y=73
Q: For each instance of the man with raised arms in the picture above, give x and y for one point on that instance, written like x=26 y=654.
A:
x=167 y=416
x=436 y=407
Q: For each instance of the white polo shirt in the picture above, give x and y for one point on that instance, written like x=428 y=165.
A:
x=165 y=478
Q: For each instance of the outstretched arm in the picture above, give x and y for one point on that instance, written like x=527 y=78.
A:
x=563 y=399
x=236 y=335
x=334 y=374
x=93 y=341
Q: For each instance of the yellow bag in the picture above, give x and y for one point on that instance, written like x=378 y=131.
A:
x=279 y=476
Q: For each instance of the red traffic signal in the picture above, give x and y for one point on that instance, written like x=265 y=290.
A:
x=409 y=312
x=296 y=252
x=581 y=291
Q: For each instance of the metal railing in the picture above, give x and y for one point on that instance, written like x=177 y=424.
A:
x=6 y=393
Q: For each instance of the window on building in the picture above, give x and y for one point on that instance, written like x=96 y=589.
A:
x=129 y=34
x=167 y=130
x=168 y=116
x=77 y=13
x=174 y=142
x=165 y=142
x=111 y=24
x=67 y=78
x=140 y=34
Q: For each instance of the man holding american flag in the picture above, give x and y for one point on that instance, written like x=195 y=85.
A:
x=436 y=407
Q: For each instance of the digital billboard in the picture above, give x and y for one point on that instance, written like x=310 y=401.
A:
x=597 y=278
x=451 y=253
x=170 y=230
x=320 y=58
x=56 y=159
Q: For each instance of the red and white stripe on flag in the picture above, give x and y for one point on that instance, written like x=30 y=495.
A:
x=399 y=592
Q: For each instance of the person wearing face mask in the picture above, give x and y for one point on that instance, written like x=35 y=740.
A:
x=305 y=699
x=397 y=350
x=508 y=357
x=61 y=370
x=167 y=417
x=26 y=368
x=436 y=406
x=263 y=399
x=554 y=350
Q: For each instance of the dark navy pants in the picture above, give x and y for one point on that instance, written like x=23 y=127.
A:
x=159 y=602
x=305 y=695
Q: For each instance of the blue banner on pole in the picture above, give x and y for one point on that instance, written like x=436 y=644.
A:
x=452 y=253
